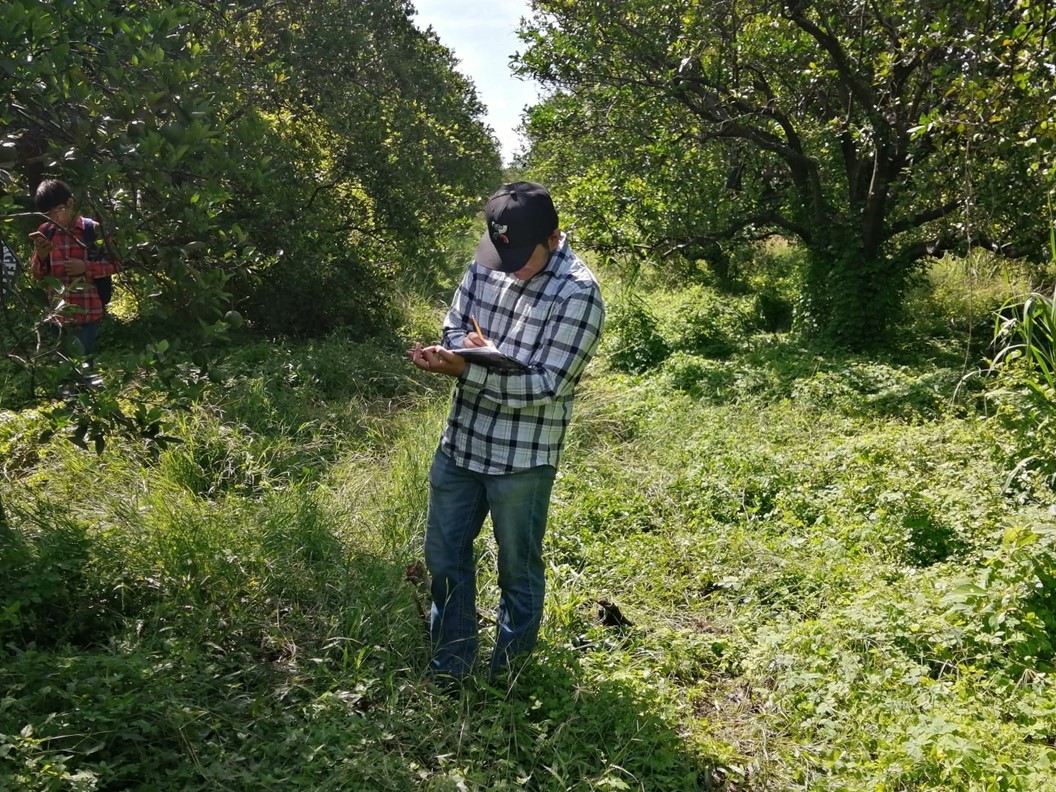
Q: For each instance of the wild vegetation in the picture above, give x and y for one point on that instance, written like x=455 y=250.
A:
x=279 y=163
x=774 y=562
x=287 y=160
x=770 y=567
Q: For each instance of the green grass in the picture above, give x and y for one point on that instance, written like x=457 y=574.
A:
x=839 y=573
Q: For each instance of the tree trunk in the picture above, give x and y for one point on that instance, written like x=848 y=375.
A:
x=5 y=529
x=851 y=298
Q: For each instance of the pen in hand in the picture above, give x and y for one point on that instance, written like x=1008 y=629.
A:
x=476 y=327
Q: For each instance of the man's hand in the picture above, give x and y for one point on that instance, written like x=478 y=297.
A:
x=437 y=360
x=74 y=267
x=41 y=245
x=476 y=340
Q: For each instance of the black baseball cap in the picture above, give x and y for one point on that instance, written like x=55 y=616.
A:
x=519 y=216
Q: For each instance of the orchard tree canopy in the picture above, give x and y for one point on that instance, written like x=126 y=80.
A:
x=875 y=132
x=285 y=157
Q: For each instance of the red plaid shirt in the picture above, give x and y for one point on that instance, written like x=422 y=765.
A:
x=75 y=300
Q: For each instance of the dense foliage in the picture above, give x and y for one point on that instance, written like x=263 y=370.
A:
x=874 y=133
x=283 y=162
x=287 y=159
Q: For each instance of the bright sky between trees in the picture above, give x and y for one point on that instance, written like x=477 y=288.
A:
x=483 y=36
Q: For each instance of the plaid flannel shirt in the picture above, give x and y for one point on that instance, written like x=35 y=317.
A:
x=75 y=300
x=502 y=422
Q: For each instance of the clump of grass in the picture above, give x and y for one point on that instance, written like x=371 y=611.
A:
x=961 y=295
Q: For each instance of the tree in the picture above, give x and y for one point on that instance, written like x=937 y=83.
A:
x=875 y=132
x=395 y=150
x=251 y=151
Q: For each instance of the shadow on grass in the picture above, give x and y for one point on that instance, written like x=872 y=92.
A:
x=557 y=725
x=298 y=667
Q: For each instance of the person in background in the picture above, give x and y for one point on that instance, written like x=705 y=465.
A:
x=530 y=296
x=61 y=252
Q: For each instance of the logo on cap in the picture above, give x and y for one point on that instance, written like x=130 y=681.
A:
x=498 y=233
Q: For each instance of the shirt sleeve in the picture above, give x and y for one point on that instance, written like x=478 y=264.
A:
x=568 y=345
x=457 y=320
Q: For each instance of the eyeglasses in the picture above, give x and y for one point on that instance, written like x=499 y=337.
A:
x=57 y=209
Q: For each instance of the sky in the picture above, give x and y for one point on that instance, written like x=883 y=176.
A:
x=483 y=35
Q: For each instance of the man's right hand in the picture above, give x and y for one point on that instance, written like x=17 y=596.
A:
x=41 y=245
x=474 y=340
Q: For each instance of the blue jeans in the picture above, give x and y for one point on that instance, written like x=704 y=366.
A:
x=459 y=500
x=81 y=338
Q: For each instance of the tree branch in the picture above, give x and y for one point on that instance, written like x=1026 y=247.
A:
x=861 y=90
x=951 y=243
x=917 y=220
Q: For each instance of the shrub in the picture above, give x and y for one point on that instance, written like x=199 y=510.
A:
x=708 y=324
x=773 y=274
x=46 y=583
x=632 y=342
x=697 y=376
x=314 y=296
x=775 y=311
x=1006 y=613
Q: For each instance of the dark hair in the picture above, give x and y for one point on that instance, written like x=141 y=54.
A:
x=51 y=193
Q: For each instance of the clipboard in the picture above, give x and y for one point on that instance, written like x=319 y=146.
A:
x=490 y=357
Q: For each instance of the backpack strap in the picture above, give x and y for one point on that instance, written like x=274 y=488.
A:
x=91 y=247
x=94 y=252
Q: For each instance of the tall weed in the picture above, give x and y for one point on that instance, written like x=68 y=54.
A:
x=1024 y=357
x=959 y=296
x=1025 y=340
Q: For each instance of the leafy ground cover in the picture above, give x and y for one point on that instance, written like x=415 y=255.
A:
x=770 y=568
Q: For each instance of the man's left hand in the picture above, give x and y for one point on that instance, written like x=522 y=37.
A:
x=437 y=360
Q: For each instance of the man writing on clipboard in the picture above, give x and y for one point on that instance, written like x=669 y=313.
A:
x=539 y=304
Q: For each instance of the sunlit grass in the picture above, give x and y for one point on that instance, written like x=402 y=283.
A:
x=826 y=575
